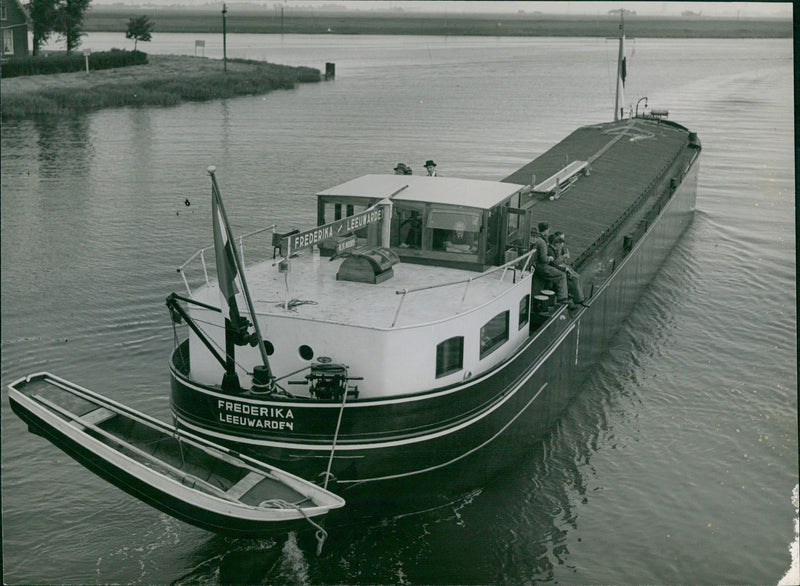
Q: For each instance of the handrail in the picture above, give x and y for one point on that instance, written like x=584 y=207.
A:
x=201 y=253
x=469 y=280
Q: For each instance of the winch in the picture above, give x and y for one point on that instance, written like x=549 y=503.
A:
x=328 y=382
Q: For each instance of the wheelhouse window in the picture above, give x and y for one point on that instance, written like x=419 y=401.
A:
x=524 y=310
x=450 y=356
x=332 y=209
x=454 y=229
x=493 y=235
x=494 y=333
x=407 y=226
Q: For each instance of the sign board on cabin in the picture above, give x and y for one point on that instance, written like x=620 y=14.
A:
x=307 y=238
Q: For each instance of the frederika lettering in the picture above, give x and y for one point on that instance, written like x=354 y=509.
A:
x=338 y=228
x=260 y=416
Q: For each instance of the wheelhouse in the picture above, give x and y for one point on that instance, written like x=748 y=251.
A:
x=457 y=223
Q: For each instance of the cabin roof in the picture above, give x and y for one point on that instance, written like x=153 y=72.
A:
x=624 y=158
x=471 y=193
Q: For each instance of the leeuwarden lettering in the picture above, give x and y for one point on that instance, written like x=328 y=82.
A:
x=344 y=226
x=259 y=416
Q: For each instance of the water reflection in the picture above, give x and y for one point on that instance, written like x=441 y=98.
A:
x=513 y=530
x=64 y=145
x=142 y=140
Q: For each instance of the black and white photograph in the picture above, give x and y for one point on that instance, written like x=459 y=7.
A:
x=398 y=292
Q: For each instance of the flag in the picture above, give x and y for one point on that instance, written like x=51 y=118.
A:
x=623 y=72
x=223 y=252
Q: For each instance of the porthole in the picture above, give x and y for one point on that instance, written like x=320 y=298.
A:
x=306 y=353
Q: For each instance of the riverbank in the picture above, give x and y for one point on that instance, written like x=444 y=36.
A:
x=295 y=21
x=166 y=80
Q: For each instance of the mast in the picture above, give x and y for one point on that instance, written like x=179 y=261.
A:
x=620 y=97
x=265 y=376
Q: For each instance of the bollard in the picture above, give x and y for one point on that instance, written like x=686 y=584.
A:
x=551 y=297
x=330 y=70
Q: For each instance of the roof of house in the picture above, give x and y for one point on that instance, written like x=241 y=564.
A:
x=23 y=10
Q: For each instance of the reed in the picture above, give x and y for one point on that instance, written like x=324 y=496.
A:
x=167 y=82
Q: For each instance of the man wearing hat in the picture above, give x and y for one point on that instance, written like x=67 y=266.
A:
x=401 y=169
x=431 y=167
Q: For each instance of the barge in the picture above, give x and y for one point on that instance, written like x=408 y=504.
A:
x=411 y=341
x=399 y=355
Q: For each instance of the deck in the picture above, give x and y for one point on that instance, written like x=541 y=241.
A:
x=319 y=296
x=624 y=159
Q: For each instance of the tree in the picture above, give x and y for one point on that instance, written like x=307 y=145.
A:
x=139 y=29
x=44 y=15
x=70 y=21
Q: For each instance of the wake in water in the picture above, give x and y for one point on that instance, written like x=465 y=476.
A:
x=793 y=575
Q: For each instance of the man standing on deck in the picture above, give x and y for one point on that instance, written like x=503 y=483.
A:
x=542 y=262
x=430 y=166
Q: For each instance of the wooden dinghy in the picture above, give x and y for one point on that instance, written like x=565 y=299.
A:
x=185 y=476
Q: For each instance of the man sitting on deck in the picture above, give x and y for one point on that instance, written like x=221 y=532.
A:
x=560 y=253
x=542 y=260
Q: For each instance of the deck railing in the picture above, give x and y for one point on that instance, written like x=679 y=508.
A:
x=201 y=255
x=467 y=282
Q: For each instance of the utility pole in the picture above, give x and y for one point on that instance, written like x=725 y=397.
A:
x=224 y=40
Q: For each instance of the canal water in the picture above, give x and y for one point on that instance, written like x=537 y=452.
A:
x=676 y=463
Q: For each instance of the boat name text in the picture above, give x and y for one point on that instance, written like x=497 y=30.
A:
x=260 y=416
x=337 y=228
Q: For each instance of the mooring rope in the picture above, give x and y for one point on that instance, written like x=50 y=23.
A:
x=335 y=437
x=320 y=534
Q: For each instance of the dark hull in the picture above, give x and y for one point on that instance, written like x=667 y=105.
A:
x=464 y=433
x=135 y=486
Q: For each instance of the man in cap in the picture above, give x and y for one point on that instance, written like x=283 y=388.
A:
x=542 y=262
x=430 y=166
x=401 y=169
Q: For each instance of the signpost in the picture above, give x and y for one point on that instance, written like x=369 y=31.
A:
x=224 y=42
x=86 y=53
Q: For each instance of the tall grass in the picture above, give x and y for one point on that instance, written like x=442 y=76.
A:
x=211 y=84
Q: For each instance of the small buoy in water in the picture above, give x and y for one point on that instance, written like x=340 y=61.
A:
x=187 y=203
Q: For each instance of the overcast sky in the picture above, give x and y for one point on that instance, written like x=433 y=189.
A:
x=648 y=8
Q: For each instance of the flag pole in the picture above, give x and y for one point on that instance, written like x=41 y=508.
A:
x=620 y=58
x=216 y=194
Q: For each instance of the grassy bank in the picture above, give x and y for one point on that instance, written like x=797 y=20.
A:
x=268 y=21
x=165 y=81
